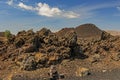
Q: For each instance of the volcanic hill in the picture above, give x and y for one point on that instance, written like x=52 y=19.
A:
x=86 y=31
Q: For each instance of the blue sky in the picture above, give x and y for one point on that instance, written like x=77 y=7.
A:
x=16 y=15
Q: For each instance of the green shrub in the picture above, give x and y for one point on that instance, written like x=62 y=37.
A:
x=7 y=34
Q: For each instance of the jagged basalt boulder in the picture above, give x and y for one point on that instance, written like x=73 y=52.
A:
x=44 y=32
x=53 y=58
x=105 y=35
x=115 y=56
x=19 y=42
x=1 y=42
x=71 y=38
x=65 y=53
x=29 y=48
x=3 y=50
x=29 y=63
x=30 y=32
x=21 y=33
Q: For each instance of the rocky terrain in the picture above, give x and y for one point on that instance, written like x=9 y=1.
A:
x=2 y=34
x=28 y=55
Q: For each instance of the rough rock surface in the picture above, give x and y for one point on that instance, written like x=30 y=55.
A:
x=30 y=50
x=41 y=49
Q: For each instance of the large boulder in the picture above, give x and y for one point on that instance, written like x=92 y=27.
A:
x=41 y=58
x=1 y=42
x=30 y=32
x=29 y=63
x=71 y=38
x=19 y=42
x=44 y=32
x=95 y=58
x=52 y=39
x=105 y=35
x=28 y=48
x=81 y=71
x=54 y=58
x=115 y=56
x=21 y=33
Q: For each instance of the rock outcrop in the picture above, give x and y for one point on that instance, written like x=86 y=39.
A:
x=32 y=50
x=41 y=49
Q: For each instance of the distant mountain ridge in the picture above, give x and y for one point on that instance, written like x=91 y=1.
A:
x=113 y=32
x=84 y=31
x=88 y=31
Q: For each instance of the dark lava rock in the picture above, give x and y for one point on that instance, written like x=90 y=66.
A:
x=49 y=48
x=29 y=63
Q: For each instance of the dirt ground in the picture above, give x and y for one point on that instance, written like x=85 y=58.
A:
x=68 y=68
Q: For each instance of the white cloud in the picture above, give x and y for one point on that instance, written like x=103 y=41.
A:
x=10 y=2
x=21 y=5
x=44 y=9
x=70 y=14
